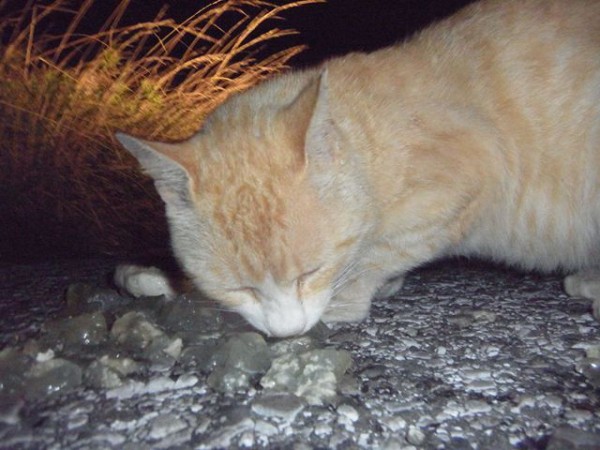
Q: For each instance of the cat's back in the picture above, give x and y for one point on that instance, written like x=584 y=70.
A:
x=524 y=75
x=532 y=68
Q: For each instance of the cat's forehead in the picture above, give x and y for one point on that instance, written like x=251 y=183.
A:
x=263 y=227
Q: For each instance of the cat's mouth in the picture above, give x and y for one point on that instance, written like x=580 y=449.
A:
x=284 y=318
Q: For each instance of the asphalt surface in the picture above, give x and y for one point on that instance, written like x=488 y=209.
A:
x=465 y=356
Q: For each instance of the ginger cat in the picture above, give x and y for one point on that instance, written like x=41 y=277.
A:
x=310 y=194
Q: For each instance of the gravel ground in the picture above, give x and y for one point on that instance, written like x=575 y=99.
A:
x=465 y=356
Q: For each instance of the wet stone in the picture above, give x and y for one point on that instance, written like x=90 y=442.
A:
x=13 y=364
x=97 y=375
x=234 y=362
x=82 y=298
x=294 y=345
x=415 y=436
x=165 y=425
x=593 y=351
x=460 y=320
x=590 y=369
x=283 y=406
x=320 y=332
x=122 y=365
x=163 y=352
x=198 y=356
x=51 y=377
x=312 y=375
x=570 y=438
x=186 y=313
x=134 y=331
x=74 y=332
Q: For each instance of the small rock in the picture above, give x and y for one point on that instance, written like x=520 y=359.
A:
x=198 y=356
x=84 y=330
x=411 y=331
x=237 y=359
x=348 y=412
x=460 y=320
x=415 y=436
x=50 y=377
x=13 y=364
x=284 y=406
x=320 y=332
x=83 y=298
x=593 y=351
x=293 y=345
x=590 y=368
x=134 y=331
x=312 y=375
x=569 y=438
x=165 y=425
x=97 y=375
x=122 y=365
x=187 y=314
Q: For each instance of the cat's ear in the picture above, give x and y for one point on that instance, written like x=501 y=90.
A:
x=170 y=165
x=321 y=141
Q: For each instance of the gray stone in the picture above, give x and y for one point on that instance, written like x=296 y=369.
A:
x=198 y=356
x=234 y=362
x=134 y=331
x=590 y=368
x=570 y=438
x=52 y=377
x=99 y=376
x=312 y=375
x=293 y=345
x=74 y=332
x=13 y=364
x=187 y=313
x=284 y=406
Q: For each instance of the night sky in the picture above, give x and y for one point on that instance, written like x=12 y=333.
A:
x=328 y=29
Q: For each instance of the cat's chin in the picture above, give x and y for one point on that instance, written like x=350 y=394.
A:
x=285 y=318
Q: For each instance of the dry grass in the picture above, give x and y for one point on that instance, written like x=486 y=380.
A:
x=65 y=183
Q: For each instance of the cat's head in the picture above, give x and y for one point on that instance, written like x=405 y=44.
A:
x=266 y=205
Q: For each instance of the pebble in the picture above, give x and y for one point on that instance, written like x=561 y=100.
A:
x=348 y=412
x=223 y=437
x=84 y=330
x=590 y=368
x=283 y=406
x=188 y=314
x=415 y=436
x=394 y=423
x=100 y=376
x=312 y=375
x=13 y=364
x=165 y=425
x=569 y=438
x=134 y=331
x=52 y=377
x=295 y=345
x=234 y=362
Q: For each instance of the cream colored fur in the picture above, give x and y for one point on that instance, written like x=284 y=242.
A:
x=307 y=196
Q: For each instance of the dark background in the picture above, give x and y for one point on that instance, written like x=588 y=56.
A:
x=331 y=28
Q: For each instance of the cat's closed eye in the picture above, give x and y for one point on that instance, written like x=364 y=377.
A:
x=303 y=279
x=245 y=293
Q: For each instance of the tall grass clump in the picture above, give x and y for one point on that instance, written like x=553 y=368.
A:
x=65 y=185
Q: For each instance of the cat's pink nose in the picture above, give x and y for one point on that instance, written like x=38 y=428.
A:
x=284 y=327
